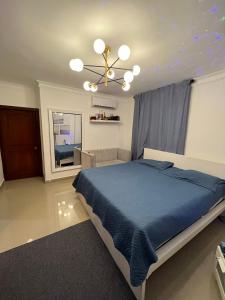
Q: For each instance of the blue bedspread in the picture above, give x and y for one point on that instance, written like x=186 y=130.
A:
x=64 y=151
x=142 y=208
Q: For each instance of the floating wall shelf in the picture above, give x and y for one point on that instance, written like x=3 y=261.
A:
x=105 y=121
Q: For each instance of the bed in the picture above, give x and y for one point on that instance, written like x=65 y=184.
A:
x=145 y=213
x=65 y=153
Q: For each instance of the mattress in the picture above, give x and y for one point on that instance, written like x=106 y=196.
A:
x=142 y=208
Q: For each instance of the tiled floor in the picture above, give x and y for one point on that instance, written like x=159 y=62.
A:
x=30 y=209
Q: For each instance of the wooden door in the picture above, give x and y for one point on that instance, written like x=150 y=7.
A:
x=20 y=142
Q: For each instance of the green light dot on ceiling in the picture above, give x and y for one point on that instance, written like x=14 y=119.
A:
x=223 y=18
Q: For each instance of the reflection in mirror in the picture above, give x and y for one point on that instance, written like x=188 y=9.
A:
x=67 y=131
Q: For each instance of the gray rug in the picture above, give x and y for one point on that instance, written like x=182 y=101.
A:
x=70 y=264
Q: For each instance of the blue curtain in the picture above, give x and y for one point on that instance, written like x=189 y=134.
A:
x=160 y=119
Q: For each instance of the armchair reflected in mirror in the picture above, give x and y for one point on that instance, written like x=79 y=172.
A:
x=67 y=138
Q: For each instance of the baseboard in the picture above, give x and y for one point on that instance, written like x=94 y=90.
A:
x=58 y=179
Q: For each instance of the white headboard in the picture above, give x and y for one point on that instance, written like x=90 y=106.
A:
x=185 y=162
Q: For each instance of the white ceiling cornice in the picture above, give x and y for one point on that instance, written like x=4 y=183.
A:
x=14 y=84
x=76 y=90
x=220 y=75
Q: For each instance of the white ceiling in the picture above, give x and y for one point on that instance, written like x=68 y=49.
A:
x=170 y=39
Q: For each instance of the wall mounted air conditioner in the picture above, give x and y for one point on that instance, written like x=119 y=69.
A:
x=104 y=102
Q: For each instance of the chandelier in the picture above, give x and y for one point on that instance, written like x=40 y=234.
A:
x=108 y=75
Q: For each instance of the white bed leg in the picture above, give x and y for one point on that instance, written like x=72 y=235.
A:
x=139 y=291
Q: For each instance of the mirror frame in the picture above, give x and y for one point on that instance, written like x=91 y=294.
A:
x=51 y=137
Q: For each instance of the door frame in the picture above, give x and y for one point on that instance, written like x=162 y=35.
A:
x=20 y=108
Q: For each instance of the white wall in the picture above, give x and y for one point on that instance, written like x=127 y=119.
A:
x=14 y=94
x=206 y=125
x=95 y=136
x=1 y=171
x=126 y=112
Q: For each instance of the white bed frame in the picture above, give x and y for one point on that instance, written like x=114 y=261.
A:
x=66 y=161
x=174 y=245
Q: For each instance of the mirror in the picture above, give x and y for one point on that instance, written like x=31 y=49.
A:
x=66 y=138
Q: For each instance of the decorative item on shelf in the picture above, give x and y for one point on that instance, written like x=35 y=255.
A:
x=103 y=117
x=108 y=76
x=114 y=118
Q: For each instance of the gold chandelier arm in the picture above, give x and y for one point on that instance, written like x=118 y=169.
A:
x=108 y=68
x=94 y=71
x=94 y=66
x=105 y=55
x=102 y=75
x=112 y=80
x=114 y=63
x=123 y=69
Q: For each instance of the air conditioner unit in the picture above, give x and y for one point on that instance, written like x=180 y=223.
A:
x=104 y=102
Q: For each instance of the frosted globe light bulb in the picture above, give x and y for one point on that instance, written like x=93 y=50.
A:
x=99 y=46
x=124 y=52
x=136 y=70
x=86 y=86
x=128 y=76
x=126 y=86
x=76 y=64
x=110 y=74
x=94 y=88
